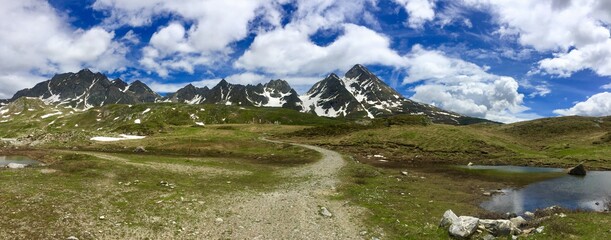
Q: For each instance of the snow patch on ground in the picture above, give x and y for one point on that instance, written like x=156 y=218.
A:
x=137 y=121
x=3 y=111
x=200 y=124
x=51 y=115
x=147 y=110
x=121 y=137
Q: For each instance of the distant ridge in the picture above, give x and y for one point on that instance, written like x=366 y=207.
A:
x=358 y=94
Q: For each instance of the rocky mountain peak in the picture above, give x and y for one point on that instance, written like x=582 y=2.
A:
x=120 y=83
x=358 y=70
x=278 y=85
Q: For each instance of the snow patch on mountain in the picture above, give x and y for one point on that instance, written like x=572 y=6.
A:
x=51 y=115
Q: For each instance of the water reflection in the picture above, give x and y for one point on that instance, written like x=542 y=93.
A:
x=588 y=193
x=5 y=160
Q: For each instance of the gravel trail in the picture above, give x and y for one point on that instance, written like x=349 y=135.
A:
x=294 y=210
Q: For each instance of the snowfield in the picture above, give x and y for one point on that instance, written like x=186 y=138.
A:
x=121 y=137
x=50 y=115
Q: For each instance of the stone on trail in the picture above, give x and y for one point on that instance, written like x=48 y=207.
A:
x=72 y=238
x=325 y=212
x=448 y=218
x=464 y=227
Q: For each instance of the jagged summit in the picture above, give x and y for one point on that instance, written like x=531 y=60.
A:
x=275 y=93
x=86 y=89
x=360 y=93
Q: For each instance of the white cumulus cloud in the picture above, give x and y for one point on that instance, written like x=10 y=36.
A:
x=212 y=26
x=558 y=26
x=36 y=40
x=289 y=51
x=597 y=105
x=463 y=87
x=419 y=11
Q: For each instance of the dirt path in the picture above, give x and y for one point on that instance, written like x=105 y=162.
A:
x=294 y=211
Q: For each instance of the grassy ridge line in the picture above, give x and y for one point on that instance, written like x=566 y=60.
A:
x=26 y=115
x=560 y=142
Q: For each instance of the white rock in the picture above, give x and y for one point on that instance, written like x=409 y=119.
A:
x=518 y=221
x=325 y=212
x=464 y=227
x=72 y=238
x=499 y=227
x=529 y=214
x=218 y=220
x=16 y=165
x=102 y=218
x=448 y=218
x=540 y=229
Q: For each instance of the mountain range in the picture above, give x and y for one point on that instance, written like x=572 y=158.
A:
x=358 y=94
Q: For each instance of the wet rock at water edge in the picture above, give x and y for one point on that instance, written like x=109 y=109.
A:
x=578 y=170
x=499 y=227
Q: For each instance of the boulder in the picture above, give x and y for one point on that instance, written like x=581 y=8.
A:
x=464 y=227
x=578 y=170
x=499 y=227
x=140 y=149
x=518 y=221
x=16 y=165
x=448 y=218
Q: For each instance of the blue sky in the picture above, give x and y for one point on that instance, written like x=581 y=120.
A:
x=502 y=60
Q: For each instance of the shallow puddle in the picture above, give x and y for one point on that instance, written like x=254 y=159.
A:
x=591 y=192
x=5 y=160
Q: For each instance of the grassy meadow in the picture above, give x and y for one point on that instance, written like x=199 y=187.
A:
x=196 y=155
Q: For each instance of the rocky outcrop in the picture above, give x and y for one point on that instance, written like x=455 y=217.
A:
x=464 y=227
x=448 y=218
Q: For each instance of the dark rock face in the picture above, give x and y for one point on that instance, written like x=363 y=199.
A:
x=87 y=89
x=276 y=93
x=578 y=170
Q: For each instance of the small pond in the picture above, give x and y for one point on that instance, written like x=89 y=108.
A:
x=5 y=160
x=590 y=192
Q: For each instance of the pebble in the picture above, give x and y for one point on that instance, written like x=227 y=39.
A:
x=325 y=212
x=218 y=220
x=72 y=238
x=102 y=218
